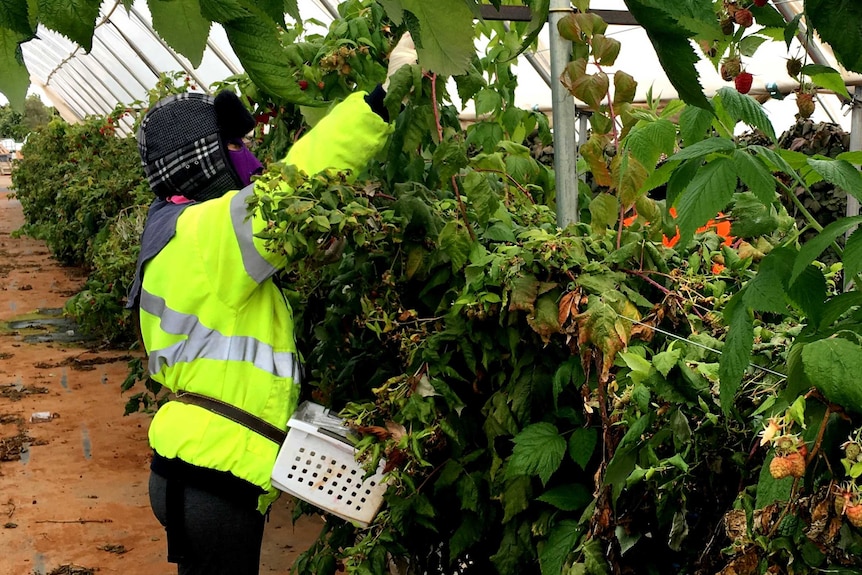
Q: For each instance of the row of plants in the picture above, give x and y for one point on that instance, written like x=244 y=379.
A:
x=585 y=400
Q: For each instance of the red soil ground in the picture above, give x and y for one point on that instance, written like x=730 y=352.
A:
x=73 y=490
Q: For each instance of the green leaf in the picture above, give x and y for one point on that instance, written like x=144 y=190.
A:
x=853 y=254
x=749 y=45
x=180 y=24
x=694 y=123
x=736 y=351
x=838 y=306
x=291 y=7
x=569 y=497
x=765 y=291
x=628 y=175
x=570 y=372
x=582 y=444
x=15 y=18
x=561 y=542
x=623 y=461
x=814 y=247
x=538 y=18
x=754 y=174
x=666 y=360
x=604 y=209
x=594 y=558
x=809 y=293
x=827 y=77
x=255 y=42
x=223 y=11
x=703 y=148
x=745 y=109
x=449 y=158
x=590 y=88
x=625 y=88
x=516 y=496
x=647 y=141
x=708 y=193
x=839 y=173
x=445 y=39
x=14 y=77
x=751 y=218
x=75 y=19
x=539 y=450
x=833 y=365
x=455 y=243
x=394 y=9
x=833 y=21
x=469 y=532
x=665 y=24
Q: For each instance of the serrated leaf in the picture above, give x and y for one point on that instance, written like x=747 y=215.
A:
x=180 y=24
x=814 y=247
x=838 y=306
x=647 y=141
x=833 y=365
x=449 y=158
x=808 y=292
x=539 y=10
x=830 y=18
x=14 y=17
x=593 y=152
x=604 y=209
x=582 y=444
x=625 y=88
x=666 y=360
x=628 y=175
x=623 y=461
x=591 y=88
x=561 y=542
x=749 y=45
x=75 y=19
x=455 y=242
x=524 y=291
x=14 y=77
x=755 y=175
x=704 y=147
x=571 y=497
x=765 y=291
x=671 y=41
x=469 y=532
x=274 y=9
x=839 y=173
x=827 y=77
x=394 y=9
x=255 y=42
x=745 y=109
x=736 y=351
x=605 y=49
x=709 y=192
x=223 y=11
x=852 y=257
x=539 y=450
x=694 y=123
x=445 y=42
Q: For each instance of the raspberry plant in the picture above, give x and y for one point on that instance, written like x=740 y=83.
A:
x=560 y=401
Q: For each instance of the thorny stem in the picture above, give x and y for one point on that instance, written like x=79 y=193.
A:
x=649 y=280
x=455 y=188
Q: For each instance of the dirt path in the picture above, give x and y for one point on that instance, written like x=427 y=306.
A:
x=73 y=490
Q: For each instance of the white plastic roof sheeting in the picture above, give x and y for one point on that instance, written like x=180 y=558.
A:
x=127 y=57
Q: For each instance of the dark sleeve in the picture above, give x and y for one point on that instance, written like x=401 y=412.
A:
x=375 y=102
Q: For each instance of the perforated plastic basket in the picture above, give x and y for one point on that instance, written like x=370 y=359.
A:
x=317 y=464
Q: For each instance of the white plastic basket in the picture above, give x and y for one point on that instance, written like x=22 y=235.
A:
x=317 y=464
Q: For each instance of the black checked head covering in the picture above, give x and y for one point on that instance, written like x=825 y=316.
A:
x=182 y=142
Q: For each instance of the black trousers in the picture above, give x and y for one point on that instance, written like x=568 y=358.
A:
x=210 y=534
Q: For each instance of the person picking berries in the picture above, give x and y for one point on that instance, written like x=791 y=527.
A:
x=217 y=330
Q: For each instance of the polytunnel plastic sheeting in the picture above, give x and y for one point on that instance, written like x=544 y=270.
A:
x=127 y=57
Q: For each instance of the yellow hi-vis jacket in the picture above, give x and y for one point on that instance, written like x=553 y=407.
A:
x=213 y=321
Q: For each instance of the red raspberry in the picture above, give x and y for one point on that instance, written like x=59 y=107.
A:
x=303 y=84
x=761 y=3
x=743 y=17
x=743 y=82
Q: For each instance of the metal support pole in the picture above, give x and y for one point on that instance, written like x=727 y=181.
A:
x=855 y=145
x=565 y=147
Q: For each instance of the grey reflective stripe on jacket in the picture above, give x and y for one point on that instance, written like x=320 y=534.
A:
x=205 y=343
x=255 y=265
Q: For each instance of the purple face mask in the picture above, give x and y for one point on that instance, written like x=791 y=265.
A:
x=244 y=162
